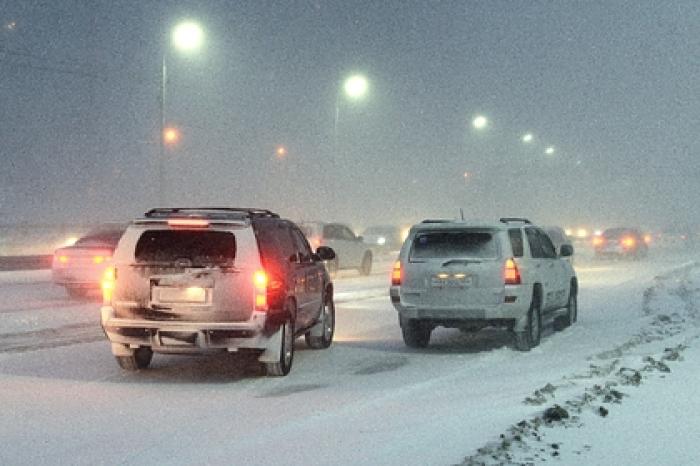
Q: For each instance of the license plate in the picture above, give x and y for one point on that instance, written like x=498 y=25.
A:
x=192 y=294
x=178 y=338
x=451 y=282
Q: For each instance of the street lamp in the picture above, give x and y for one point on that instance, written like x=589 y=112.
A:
x=187 y=37
x=355 y=87
x=480 y=122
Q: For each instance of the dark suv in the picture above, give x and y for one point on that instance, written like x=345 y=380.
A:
x=621 y=242
x=190 y=280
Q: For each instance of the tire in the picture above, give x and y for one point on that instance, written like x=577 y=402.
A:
x=139 y=360
x=366 y=266
x=328 y=321
x=572 y=308
x=416 y=334
x=284 y=364
x=530 y=337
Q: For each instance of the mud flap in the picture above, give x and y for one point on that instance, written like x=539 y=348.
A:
x=317 y=330
x=273 y=350
x=520 y=324
x=121 y=350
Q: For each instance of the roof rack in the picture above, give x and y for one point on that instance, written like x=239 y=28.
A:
x=515 y=219
x=436 y=220
x=210 y=212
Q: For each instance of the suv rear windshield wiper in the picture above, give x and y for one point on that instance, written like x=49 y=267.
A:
x=461 y=261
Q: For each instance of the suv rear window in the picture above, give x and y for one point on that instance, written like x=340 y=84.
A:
x=200 y=248
x=454 y=244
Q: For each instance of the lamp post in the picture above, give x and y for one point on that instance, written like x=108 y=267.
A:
x=355 y=88
x=187 y=37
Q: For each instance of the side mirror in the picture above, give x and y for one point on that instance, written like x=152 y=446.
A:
x=566 y=250
x=325 y=253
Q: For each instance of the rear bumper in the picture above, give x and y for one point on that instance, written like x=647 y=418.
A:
x=186 y=337
x=512 y=313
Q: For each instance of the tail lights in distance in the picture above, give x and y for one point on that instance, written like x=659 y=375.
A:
x=396 y=273
x=628 y=242
x=511 y=274
x=598 y=240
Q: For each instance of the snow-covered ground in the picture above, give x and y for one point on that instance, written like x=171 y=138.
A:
x=623 y=379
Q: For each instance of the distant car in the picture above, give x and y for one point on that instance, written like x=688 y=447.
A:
x=621 y=242
x=559 y=238
x=351 y=252
x=469 y=275
x=195 y=280
x=79 y=268
x=383 y=237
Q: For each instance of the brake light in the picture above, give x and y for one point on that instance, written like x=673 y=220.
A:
x=396 y=273
x=260 y=281
x=315 y=242
x=188 y=222
x=98 y=259
x=629 y=242
x=511 y=274
x=109 y=278
x=62 y=259
x=647 y=239
x=598 y=241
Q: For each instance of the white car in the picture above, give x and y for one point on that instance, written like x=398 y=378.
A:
x=351 y=252
x=467 y=275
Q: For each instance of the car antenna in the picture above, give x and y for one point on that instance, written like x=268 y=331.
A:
x=461 y=213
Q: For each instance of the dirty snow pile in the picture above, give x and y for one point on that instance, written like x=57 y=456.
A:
x=618 y=411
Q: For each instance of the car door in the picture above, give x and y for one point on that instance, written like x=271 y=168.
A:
x=556 y=270
x=355 y=246
x=542 y=268
x=310 y=272
x=333 y=237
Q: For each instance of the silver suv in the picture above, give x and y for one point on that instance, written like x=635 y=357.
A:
x=188 y=280
x=467 y=275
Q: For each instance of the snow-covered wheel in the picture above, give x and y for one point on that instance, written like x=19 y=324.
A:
x=530 y=337
x=327 y=321
x=366 y=266
x=283 y=365
x=140 y=359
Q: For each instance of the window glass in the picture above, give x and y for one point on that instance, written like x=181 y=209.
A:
x=534 y=240
x=454 y=244
x=548 y=250
x=516 y=241
x=301 y=246
x=346 y=233
x=200 y=248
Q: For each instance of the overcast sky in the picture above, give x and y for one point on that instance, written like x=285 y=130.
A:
x=612 y=85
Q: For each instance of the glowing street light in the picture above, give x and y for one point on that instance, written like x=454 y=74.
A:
x=356 y=86
x=171 y=136
x=281 y=152
x=187 y=36
x=480 y=122
x=527 y=137
x=549 y=150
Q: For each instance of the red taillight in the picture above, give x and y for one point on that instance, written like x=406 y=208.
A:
x=260 y=281
x=396 y=273
x=98 y=259
x=647 y=239
x=628 y=242
x=598 y=241
x=315 y=242
x=62 y=259
x=109 y=279
x=511 y=274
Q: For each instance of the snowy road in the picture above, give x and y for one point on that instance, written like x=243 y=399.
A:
x=366 y=400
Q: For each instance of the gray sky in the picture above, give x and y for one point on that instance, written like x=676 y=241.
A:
x=612 y=85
